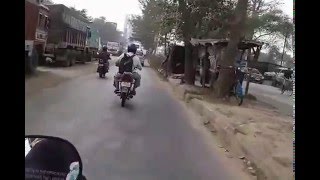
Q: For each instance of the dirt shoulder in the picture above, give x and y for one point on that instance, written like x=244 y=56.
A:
x=255 y=132
x=48 y=77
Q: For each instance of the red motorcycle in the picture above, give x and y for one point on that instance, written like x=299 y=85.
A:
x=126 y=85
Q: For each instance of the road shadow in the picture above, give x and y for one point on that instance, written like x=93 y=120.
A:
x=129 y=106
x=104 y=78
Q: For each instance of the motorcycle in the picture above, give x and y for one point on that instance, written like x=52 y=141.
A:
x=126 y=85
x=48 y=157
x=103 y=68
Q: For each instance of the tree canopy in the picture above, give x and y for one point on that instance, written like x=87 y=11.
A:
x=260 y=20
x=107 y=30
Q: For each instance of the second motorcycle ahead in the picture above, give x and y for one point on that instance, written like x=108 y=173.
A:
x=103 y=63
x=103 y=68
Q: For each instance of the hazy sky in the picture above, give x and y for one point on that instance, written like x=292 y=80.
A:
x=116 y=10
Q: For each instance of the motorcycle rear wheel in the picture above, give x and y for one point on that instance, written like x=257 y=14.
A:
x=123 y=99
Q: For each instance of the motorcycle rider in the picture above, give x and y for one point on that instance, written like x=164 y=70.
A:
x=104 y=56
x=131 y=53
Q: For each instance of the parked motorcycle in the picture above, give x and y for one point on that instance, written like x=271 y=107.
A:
x=126 y=85
x=103 y=68
x=48 y=157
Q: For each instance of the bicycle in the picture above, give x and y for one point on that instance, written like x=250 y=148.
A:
x=236 y=89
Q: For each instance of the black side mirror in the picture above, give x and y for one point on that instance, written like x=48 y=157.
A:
x=51 y=158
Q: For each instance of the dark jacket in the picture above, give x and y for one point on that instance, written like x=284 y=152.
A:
x=51 y=155
x=104 y=56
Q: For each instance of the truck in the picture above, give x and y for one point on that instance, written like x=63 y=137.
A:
x=94 y=43
x=36 y=33
x=68 y=36
x=114 y=48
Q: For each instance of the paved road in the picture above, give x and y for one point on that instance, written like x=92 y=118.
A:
x=272 y=96
x=150 y=139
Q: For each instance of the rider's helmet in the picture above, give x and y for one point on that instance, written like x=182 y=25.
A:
x=104 y=48
x=132 y=48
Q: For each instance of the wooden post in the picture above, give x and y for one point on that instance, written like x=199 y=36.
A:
x=247 y=84
x=248 y=75
x=168 y=69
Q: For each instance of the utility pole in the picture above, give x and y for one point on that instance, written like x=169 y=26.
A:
x=284 y=47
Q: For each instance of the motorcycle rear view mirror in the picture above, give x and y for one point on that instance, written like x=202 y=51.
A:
x=51 y=158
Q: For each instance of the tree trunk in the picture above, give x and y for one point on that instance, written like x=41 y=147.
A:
x=247 y=84
x=284 y=49
x=187 y=29
x=165 y=44
x=226 y=77
x=255 y=8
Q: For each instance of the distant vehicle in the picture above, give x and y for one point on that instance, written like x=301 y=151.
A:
x=278 y=78
x=114 y=48
x=272 y=75
x=140 y=54
x=256 y=76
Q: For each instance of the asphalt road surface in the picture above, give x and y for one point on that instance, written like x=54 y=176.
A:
x=272 y=95
x=150 y=139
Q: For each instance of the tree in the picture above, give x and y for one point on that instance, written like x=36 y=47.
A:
x=158 y=19
x=83 y=13
x=47 y=2
x=274 y=54
x=286 y=31
x=107 y=30
x=237 y=32
x=202 y=19
x=268 y=23
x=207 y=19
x=143 y=31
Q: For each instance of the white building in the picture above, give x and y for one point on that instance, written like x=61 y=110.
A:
x=127 y=31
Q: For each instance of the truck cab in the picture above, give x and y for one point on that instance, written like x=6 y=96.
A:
x=36 y=33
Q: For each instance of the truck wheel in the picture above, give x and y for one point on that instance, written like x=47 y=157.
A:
x=70 y=56
x=66 y=63
x=73 y=61
x=32 y=62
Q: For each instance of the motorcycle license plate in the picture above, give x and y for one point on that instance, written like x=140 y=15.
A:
x=124 y=89
x=100 y=65
x=125 y=84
